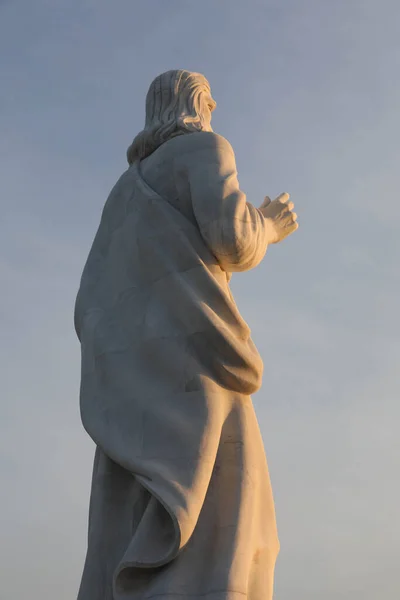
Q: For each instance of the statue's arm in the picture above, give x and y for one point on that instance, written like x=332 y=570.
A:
x=235 y=231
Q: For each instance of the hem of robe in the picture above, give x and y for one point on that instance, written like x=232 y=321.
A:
x=130 y=559
x=164 y=549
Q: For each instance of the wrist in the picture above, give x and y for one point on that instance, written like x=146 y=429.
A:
x=270 y=230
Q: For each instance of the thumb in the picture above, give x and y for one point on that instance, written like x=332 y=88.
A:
x=267 y=200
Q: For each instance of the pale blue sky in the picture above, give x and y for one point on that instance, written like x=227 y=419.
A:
x=308 y=94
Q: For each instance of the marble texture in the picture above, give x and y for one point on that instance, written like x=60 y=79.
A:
x=181 y=502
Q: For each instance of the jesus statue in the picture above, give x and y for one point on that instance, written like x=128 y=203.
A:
x=181 y=506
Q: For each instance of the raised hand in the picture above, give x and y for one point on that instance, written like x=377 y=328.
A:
x=280 y=216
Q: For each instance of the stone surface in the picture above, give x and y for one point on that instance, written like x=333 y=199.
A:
x=181 y=502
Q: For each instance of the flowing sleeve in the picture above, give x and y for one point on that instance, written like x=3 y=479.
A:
x=234 y=230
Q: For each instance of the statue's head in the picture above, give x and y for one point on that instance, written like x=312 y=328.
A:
x=177 y=102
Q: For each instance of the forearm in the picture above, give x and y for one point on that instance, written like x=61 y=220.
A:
x=234 y=230
x=239 y=240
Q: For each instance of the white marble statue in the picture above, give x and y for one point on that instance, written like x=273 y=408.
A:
x=181 y=504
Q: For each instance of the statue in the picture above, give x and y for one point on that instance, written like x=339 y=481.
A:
x=181 y=503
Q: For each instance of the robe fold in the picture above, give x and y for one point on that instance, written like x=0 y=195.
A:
x=181 y=502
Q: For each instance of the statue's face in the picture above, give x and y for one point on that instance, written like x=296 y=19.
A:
x=207 y=108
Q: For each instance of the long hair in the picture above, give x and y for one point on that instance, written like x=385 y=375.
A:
x=174 y=106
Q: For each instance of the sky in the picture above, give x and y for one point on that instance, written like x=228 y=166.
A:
x=308 y=94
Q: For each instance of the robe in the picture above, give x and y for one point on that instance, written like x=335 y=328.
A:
x=181 y=502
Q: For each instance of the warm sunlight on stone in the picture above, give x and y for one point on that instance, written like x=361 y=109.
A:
x=180 y=476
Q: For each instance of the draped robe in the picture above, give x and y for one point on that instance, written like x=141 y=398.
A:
x=181 y=502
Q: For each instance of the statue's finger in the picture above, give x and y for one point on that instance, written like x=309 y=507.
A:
x=283 y=197
x=267 y=201
x=291 y=225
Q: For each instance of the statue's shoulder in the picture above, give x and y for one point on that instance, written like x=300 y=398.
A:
x=204 y=141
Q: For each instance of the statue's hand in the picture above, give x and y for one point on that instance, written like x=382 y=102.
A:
x=280 y=216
